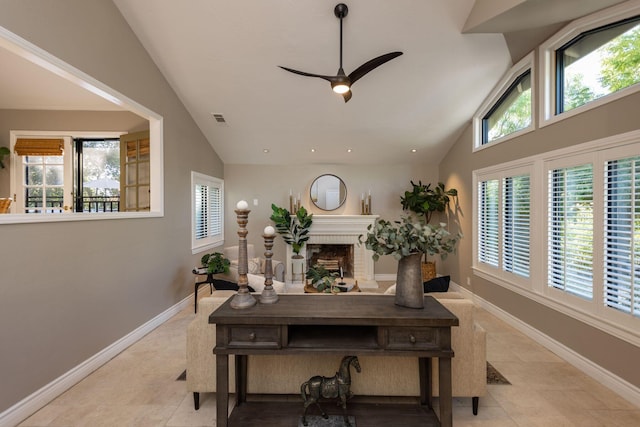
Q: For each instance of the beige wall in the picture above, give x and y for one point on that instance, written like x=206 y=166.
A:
x=271 y=184
x=70 y=289
x=617 y=117
x=103 y=121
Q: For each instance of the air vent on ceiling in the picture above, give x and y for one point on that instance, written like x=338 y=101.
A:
x=219 y=118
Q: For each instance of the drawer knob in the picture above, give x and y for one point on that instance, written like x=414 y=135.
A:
x=412 y=339
x=252 y=336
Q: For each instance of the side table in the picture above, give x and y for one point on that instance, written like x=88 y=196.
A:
x=298 y=324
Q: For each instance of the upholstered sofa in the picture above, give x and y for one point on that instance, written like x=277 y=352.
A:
x=380 y=376
x=256 y=263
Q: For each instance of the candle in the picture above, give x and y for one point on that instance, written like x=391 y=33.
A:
x=269 y=231
x=341 y=274
x=242 y=205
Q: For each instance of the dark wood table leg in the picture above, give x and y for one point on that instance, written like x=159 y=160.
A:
x=444 y=376
x=241 y=379
x=222 y=390
x=426 y=397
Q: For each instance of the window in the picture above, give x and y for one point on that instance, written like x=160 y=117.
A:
x=592 y=61
x=79 y=172
x=622 y=231
x=39 y=168
x=503 y=223
x=580 y=253
x=570 y=264
x=207 y=212
x=511 y=113
x=97 y=170
x=508 y=111
x=597 y=63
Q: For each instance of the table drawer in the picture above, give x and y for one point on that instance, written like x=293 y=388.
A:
x=254 y=336
x=412 y=338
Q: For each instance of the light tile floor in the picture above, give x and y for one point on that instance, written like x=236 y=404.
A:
x=139 y=388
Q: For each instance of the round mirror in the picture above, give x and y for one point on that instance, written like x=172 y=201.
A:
x=328 y=192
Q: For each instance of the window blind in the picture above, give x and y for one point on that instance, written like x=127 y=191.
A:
x=208 y=211
x=622 y=235
x=488 y=218
x=39 y=147
x=516 y=224
x=570 y=230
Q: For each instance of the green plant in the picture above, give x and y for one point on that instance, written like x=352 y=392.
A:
x=424 y=200
x=4 y=151
x=408 y=236
x=293 y=229
x=321 y=278
x=215 y=263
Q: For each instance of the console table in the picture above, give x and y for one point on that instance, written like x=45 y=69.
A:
x=340 y=325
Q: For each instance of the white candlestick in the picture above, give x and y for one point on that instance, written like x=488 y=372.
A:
x=242 y=205
x=269 y=230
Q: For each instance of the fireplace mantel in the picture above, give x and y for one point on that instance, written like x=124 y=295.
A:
x=341 y=224
x=343 y=229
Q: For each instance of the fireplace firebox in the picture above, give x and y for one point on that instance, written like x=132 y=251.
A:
x=332 y=257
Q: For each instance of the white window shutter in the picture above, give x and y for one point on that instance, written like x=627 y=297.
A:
x=622 y=235
x=570 y=231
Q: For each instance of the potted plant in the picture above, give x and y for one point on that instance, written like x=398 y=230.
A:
x=4 y=151
x=294 y=230
x=321 y=278
x=423 y=201
x=215 y=263
x=407 y=240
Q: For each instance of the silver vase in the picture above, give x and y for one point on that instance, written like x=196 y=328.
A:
x=409 y=288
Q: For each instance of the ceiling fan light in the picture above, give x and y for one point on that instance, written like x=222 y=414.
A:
x=340 y=88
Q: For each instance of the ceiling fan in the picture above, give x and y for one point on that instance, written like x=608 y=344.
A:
x=341 y=83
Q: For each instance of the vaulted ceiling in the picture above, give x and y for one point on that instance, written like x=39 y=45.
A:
x=222 y=57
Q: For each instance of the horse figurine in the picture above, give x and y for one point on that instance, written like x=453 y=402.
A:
x=337 y=386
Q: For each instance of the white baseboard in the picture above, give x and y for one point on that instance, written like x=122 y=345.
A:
x=619 y=385
x=32 y=403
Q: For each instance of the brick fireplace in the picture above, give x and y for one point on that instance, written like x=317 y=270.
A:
x=340 y=234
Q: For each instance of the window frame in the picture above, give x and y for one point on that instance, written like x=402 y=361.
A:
x=568 y=298
x=510 y=170
x=547 y=63
x=33 y=53
x=498 y=94
x=593 y=312
x=215 y=240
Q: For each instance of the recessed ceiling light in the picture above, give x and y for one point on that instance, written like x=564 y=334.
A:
x=313 y=150
x=349 y=150
x=265 y=150
x=413 y=150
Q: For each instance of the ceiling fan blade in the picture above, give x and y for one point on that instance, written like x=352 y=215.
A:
x=302 y=73
x=346 y=96
x=370 y=65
